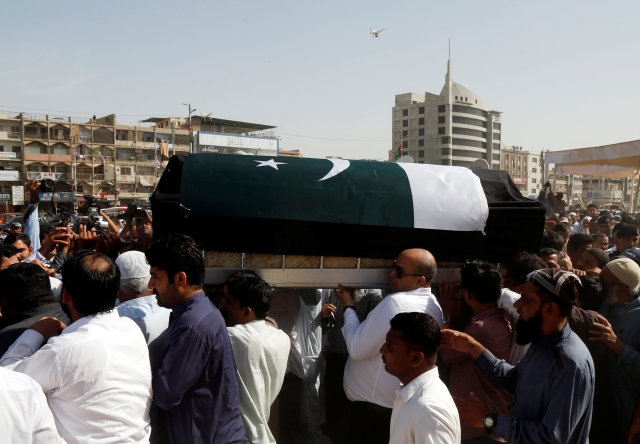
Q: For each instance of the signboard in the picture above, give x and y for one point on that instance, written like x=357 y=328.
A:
x=238 y=142
x=67 y=197
x=5 y=197
x=17 y=193
x=8 y=155
x=38 y=175
x=9 y=175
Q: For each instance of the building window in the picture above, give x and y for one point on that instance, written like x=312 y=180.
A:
x=420 y=153
x=496 y=146
x=440 y=119
x=405 y=133
x=533 y=159
x=445 y=151
x=445 y=140
x=534 y=170
x=441 y=130
x=421 y=121
x=420 y=142
x=405 y=144
x=533 y=191
x=469 y=110
x=496 y=125
x=533 y=180
x=456 y=97
x=405 y=112
x=467 y=142
x=421 y=110
x=421 y=132
x=496 y=136
x=441 y=108
x=125 y=171
x=496 y=156
x=405 y=123
x=468 y=121
x=469 y=132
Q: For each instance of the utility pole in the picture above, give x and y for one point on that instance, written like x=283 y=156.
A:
x=191 y=111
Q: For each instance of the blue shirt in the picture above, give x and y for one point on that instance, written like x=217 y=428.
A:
x=619 y=376
x=553 y=389
x=196 y=380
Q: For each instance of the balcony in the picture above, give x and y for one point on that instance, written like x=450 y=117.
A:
x=39 y=175
x=36 y=135
x=39 y=157
x=8 y=135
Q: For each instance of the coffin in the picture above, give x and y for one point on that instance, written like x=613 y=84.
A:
x=274 y=207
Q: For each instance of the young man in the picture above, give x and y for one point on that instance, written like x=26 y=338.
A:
x=482 y=285
x=423 y=411
x=195 y=382
x=554 y=383
x=261 y=351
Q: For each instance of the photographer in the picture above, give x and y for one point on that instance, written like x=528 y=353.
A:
x=138 y=235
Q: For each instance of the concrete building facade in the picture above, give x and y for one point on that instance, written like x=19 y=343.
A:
x=454 y=127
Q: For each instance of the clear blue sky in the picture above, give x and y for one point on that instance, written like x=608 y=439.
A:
x=564 y=73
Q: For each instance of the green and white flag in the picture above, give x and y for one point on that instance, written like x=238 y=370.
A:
x=334 y=191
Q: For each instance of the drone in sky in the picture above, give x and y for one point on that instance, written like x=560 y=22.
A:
x=375 y=33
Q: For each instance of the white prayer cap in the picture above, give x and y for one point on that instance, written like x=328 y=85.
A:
x=132 y=265
x=626 y=270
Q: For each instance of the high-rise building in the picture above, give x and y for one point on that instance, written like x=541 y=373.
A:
x=454 y=127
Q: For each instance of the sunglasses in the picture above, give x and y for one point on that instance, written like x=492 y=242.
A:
x=399 y=271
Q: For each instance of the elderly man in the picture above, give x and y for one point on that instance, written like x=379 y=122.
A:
x=554 y=383
x=365 y=381
x=137 y=301
x=619 y=330
x=96 y=371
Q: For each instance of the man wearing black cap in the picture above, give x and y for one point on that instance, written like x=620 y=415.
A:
x=554 y=383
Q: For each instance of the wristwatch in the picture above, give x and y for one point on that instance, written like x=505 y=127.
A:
x=489 y=422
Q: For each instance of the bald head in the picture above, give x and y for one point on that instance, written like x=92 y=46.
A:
x=414 y=268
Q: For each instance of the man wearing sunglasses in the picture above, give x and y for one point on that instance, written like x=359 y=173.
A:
x=372 y=389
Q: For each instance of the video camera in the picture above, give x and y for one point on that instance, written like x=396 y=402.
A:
x=46 y=185
x=134 y=211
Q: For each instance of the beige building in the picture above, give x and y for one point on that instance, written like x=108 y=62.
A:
x=525 y=169
x=454 y=127
x=98 y=156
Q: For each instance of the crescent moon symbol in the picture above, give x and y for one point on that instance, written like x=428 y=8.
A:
x=339 y=165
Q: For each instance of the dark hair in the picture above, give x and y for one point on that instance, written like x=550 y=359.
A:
x=250 y=290
x=577 y=241
x=561 y=228
x=592 y=205
x=626 y=230
x=25 y=286
x=591 y=296
x=481 y=279
x=92 y=281
x=600 y=256
x=12 y=237
x=521 y=264
x=7 y=250
x=420 y=332
x=551 y=239
x=548 y=252
x=175 y=253
x=595 y=236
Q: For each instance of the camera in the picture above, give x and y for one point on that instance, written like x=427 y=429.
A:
x=134 y=211
x=46 y=185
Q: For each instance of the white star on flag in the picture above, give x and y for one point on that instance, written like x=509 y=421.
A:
x=270 y=163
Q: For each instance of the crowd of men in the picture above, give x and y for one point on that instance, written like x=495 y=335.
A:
x=114 y=338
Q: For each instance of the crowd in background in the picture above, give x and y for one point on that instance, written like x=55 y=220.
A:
x=109 y=336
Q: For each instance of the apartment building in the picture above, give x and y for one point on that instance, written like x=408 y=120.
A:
x=454 y=127
x=525 y=169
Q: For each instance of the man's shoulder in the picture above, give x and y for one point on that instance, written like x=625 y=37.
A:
x=258 y=332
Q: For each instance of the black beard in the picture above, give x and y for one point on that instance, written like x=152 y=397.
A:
x=528 y=331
